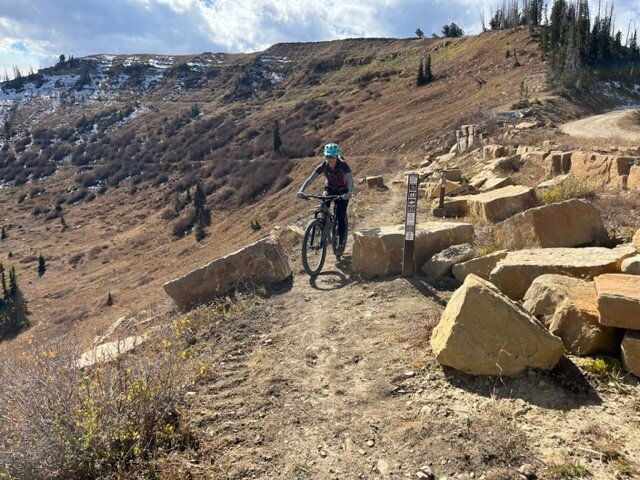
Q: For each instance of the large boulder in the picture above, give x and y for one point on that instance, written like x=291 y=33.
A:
x=491 y=152
x=631 y=352
x=263 y=262
x=480 y=266
x=495 y=183
x=565 y=224
x=375 y=182
x=290 y=237
x=619 y=300
x=514 y=274
x=633 y=180
x=567 y=306
x=500 y=204
x=595 y=168
x=378 y=251
x=482 y=332
x=440 y=264
x=557 y=163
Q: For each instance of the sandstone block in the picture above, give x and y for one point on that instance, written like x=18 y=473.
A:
x=636 y=240
x=567 y=306
x=378 y=251
x=482 y=332
x=554 y=182
x=263 y=262
x=453 y=207
x=619 y=300
x=633 y=180
x=515 y=273
x=496 y=183
x=290 y=237
x=595 y=168
x=480 y=266
x=631 y=352
x=375 y=182
x=557 y=163
x=491 y=152
x=564 y=224
x=500 y=204
x=631 y=265
x=440 y=264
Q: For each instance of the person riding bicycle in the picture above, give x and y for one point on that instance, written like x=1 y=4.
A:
x=338 y=181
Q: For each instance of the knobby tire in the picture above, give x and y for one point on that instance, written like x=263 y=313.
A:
x=314 y=243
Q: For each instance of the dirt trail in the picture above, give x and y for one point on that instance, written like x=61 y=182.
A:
x=608 y=125
x=334 y=379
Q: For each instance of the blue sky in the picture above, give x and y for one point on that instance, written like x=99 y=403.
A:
x=33 y=33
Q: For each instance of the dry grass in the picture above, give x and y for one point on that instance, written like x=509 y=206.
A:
x=620 y=212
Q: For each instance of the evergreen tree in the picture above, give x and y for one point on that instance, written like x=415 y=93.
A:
x=3 y=280
x=177 y=204
x=109 y=300
x=42 y=267
x=277 y=142
x=428 y=74
x=199 y=232
x=420 y=77
x=419 y=33
x=63 y=222
x=3 y=234
x=452 y=30
x=188 y=198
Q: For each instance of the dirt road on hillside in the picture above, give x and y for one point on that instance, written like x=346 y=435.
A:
x=608 y=125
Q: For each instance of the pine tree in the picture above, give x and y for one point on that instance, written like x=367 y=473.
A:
x=277 y=141
x=177 y=204
x=42 y=267
x=419 y=33
x=63 y=222
x=199 y=232
x=420 y=77
x=428 y=74
x=199 y=199
x=188 y=197
x=3 y=234
x=109 y=300
x=3 y=280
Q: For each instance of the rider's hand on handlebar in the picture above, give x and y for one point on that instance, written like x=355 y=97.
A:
x=302 y=195
x=346 y=196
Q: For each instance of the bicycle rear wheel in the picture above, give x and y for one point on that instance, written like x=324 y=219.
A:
x=314 y=248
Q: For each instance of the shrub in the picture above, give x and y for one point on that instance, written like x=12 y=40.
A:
x=570 y=188
x=184 y=222
x=107 y=421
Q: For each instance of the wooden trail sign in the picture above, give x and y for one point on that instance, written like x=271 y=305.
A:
x=408 y=260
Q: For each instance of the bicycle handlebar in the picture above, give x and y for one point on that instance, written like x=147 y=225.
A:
x=329 y=197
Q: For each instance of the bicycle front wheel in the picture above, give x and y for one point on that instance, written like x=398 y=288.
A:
x=314 y=248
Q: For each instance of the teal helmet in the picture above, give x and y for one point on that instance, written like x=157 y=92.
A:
x=332 y=149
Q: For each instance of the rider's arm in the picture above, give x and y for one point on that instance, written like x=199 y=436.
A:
x=352 y=187
x=308 y=182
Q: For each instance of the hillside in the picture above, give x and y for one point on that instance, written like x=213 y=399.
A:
x=331 y=376
x=114 y=151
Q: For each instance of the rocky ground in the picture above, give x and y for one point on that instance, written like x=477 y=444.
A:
x=334 y=378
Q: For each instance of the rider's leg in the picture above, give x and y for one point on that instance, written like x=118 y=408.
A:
x=341 y=217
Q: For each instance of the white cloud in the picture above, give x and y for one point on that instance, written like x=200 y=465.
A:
x=48 y=28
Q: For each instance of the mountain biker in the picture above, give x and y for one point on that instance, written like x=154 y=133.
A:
x=338 y=181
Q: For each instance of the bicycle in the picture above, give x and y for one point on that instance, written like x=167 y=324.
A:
x=319 y=233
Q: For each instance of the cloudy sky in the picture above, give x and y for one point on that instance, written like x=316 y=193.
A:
x=33 y=33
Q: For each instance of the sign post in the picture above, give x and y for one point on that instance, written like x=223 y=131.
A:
x=408 y=260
